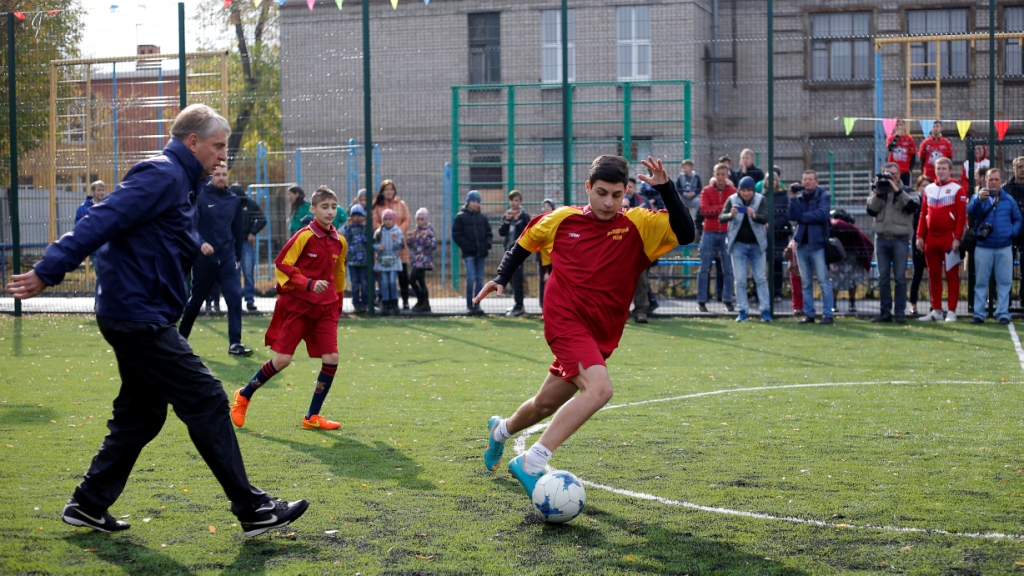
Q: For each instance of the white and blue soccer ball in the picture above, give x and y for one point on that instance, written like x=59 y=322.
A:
x=559 y=496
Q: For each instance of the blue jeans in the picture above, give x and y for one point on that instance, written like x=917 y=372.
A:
x=891 y=254
x=357 y=277
x=744 y=255
x=989 y=262
x=474 y=278
x=388 y=289
x=813 y=262
x=248 y=266
x=712 y=247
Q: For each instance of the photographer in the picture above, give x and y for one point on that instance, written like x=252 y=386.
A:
x=893 y=206
x=809 y=206
x=997 y=221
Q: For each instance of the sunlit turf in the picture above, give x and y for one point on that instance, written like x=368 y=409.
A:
x=865 y=429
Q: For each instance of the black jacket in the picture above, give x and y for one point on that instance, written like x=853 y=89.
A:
x=1016 y=190
x=253 y=220
x=512 y=229
x=754 y=172
x=220 y=222
x=472 y=233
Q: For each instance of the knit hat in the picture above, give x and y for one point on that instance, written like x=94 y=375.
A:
x=473 y=195
x=746 y=183
x=357 y=209
x=549 y=201
x=423 y=212
x=389 y=213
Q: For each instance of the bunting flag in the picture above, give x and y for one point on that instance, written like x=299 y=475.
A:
x=257 y=2
x=227 y=3
x=394 y=4
x=1001 y=126
x=19 y=15
x=889 y=124
x=310 y=3
x=339 y=3
x=113 y=8
x=962 y=126
x=849 y=122
x=926 y=126
x=426 y=2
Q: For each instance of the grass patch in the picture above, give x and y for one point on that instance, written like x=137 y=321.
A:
x=913 y=427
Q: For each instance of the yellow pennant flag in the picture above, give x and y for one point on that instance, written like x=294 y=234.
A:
x=394 y=4
x=963 y=126
x=849 y=122
x=257 y=2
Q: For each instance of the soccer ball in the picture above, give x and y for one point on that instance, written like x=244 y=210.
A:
x=558 y=496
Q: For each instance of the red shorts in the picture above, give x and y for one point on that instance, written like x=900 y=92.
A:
x=296 y=320
x=572 y=349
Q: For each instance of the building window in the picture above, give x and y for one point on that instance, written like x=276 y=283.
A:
x=953 y=55
x=551 y=45
x=841 y=46
x=486 y=167
x=485 y=48
x=633 y=33
x=1013 y=18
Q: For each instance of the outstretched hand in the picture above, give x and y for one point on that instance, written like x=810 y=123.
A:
x=26 y=285
x=491 y=286
x=658 y=174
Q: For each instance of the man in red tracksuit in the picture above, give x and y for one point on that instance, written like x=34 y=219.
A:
x=932 y=148
x=902 y=151
x=939 y=230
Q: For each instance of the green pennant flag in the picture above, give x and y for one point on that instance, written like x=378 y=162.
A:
x=339 y=2
x=849 y=122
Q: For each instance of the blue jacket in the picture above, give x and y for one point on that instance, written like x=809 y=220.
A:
x=80 y=213
x=810 y=212
x=148 y=226
x=220 y=222
x=1005 y=219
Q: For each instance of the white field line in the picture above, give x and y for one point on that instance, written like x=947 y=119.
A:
x=520 y=446
x=1016 y=344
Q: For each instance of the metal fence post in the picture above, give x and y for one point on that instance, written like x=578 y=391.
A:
x=12 y=108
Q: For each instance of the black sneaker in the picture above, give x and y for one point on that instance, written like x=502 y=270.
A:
x=702 y=307
x=900 y=319
x=807 y=320
x=515 y=311
x=730 y=307
x=827 y=320
x=1004 y=321
x=238 y=349
x=882 y=318
x=251 y=306
x=274 y=514
x=101 y=521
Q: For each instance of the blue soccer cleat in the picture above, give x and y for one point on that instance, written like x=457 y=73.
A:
x=529 y=481
x=492 y=456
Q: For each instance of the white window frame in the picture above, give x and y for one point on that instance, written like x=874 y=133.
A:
x=630 y=24
x=830 y=46
x=551 y=46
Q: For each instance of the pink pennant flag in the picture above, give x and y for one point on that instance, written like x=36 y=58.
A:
x=227 y=3
x=310 y=3
x=889 y=124
x=1001 y=127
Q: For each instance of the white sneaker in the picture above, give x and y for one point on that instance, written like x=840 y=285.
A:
x=932 y=316
x=950 y=316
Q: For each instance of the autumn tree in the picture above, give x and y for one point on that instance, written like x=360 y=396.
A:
x=255 y=77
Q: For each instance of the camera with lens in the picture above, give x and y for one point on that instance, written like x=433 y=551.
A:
x=796 y=188
x=983 y=231
x=884 y=182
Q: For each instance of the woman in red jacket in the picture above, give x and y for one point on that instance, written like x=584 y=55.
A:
x=939 y=230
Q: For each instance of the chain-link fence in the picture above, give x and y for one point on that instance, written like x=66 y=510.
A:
x=468 y=96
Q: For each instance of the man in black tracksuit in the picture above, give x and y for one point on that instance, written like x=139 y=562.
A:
x=512 y=225
x=220 y=231
x=471 y=232
x=253 y=222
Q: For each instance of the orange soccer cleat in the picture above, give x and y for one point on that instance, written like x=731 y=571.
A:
x=318 y=421
x=238 y=408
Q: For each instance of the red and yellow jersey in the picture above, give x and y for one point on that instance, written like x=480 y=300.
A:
x=595 y=266
x=312 y=254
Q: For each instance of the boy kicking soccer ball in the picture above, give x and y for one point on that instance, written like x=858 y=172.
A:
x=597 y=255
x=310 y=287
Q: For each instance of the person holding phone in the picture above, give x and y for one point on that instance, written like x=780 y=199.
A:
x=746 y=214
x=997 y=221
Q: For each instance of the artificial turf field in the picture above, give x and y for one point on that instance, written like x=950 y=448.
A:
x=851 y=445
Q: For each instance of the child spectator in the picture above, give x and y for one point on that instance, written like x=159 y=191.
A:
x=795 y=286
x=299 y=209
x=387 y=199
x=688 y=184
x=310 y=283
x=355 y=233
x=852 y=270
x=422 y=243
x=388 y=242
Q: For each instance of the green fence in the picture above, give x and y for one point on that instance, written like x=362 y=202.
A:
x=510 y=136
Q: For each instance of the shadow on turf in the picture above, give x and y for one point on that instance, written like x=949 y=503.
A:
x=491 y=348
x=647 y=547
x=352 y=459
x=19 y=414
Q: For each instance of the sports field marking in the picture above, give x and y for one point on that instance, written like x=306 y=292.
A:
x=1016 y=344
x=520 y=446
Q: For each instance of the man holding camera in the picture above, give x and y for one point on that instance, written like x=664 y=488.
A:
x=997 y=221
x=893 y=206
x=809 y=208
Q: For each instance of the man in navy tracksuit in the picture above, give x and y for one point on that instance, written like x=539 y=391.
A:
x=147 y=230
x=220 y=234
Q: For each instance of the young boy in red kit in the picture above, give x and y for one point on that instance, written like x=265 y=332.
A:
x=310 y=286
x=597 y=255
x=940 y=230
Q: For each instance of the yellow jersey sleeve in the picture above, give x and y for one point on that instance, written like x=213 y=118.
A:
x=285 y=269
x=655 y=231
x=540 y=233
x=340 y=270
